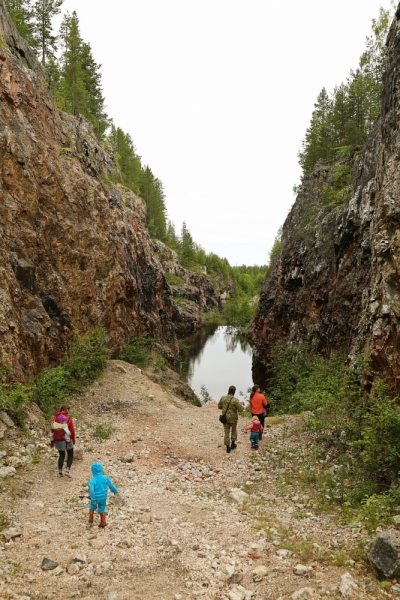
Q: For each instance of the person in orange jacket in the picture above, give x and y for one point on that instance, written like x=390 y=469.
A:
x=258 y=405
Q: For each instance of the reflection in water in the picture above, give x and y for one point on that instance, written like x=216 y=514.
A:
x=217 y=361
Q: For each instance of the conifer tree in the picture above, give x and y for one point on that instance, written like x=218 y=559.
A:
x=21 y=14
x=42 y=13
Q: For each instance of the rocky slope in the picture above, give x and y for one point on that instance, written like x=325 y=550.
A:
x=75 y=252
x=337 y=278
x=190 y=521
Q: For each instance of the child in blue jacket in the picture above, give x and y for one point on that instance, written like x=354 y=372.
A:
x=98 y=490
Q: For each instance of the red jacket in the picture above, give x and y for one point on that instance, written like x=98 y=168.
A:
x=59 y=434
x=255 y=427
x=257 y=404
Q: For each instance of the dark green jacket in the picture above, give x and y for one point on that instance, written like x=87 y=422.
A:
x=235 y=407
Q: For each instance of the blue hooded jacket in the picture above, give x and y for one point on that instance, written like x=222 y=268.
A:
x=99 y=484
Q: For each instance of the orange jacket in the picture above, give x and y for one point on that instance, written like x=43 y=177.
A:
x=257 y=403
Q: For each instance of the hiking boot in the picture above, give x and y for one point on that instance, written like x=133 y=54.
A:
x=228 y=449
x=233 y=445
x=91 y=515
x=103 y=520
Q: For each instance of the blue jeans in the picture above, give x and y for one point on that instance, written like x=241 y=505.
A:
x=254 y=438
x=99 y=505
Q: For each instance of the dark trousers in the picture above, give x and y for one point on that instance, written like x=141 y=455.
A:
x=61 y=457
x=261 y=418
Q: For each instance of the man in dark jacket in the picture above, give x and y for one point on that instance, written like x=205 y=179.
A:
x=232 y=407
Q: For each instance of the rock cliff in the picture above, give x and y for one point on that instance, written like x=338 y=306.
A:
x=336 y=280
x=193 y=293
x=75 y=252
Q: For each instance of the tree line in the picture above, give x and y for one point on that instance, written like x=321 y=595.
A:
x=342 y=121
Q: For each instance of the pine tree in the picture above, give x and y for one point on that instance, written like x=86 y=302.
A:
x=73 y=92
x=95 y=106
x=43 y=13
x=21 y=14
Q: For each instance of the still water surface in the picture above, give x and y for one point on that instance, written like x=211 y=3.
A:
x=218 y=361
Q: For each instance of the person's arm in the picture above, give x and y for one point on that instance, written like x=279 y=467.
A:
x=239 y=405
x=72 y=430
x=248 y=427
x=265 y=401
x=220 y=404
x=112 y=486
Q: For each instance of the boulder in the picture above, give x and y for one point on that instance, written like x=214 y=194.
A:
x=384 y=555
x=7 y=472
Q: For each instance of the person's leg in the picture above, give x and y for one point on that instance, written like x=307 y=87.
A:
x=102 y=513
x=70 y=458
x=227 y=428
x=256 y=439
x=61 y=457
x=261 y=418
x=233 y=436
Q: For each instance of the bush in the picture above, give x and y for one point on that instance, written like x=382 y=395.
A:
x=359 y=430
x=138 y=352
x=87 y=356
x=51 y=387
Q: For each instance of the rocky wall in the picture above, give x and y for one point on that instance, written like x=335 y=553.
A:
x=75 y=252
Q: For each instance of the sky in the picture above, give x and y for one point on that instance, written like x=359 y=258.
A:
x=217 y=96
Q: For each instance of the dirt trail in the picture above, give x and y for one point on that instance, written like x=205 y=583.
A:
x=190 y=521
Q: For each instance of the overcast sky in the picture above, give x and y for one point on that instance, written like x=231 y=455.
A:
x=217 y=96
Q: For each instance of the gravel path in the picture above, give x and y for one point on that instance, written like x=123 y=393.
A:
x=190 y=521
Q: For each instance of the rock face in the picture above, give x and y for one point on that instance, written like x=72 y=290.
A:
x=75 y=252
x=193 y=293
x=337 y=277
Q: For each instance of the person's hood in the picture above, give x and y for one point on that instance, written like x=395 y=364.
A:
x=97 y=468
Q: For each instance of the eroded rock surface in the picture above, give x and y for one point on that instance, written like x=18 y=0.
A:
x=337 y=278
x=75 y=252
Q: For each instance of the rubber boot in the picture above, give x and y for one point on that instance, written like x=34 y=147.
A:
x=233 y=445
x=91 y=516
x=102 y=520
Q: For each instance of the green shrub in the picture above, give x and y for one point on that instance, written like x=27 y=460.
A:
x=174 y=279
x=87 y=356
x=51 y=388
x=138 y=352
x=103 y=431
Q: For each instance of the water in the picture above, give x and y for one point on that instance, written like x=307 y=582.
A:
x=217 y=361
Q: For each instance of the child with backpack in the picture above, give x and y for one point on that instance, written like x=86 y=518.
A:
x=256 y=430
x=98 y=490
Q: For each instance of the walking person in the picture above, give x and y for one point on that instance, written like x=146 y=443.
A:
x=231 y=407
x=63 y=441
x=98 y=489
x=258 y=405
x=256 y=430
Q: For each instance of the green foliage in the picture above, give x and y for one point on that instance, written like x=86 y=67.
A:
x=276 y=247
x=87 y=356
x=345 y=118
x=338 y=191
x=103 y=431
x=173 y=279
x=52 y=387
x=140 y=180
x=205 y=395
x=138 y=352
x=239 y=310
x=21 y=13
x=360 y=430
x=43 y=12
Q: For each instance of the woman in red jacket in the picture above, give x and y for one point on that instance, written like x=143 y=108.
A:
x=61 y=444
x=258 y=405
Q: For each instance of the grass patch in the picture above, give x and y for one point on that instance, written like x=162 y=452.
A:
x=102 y=431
